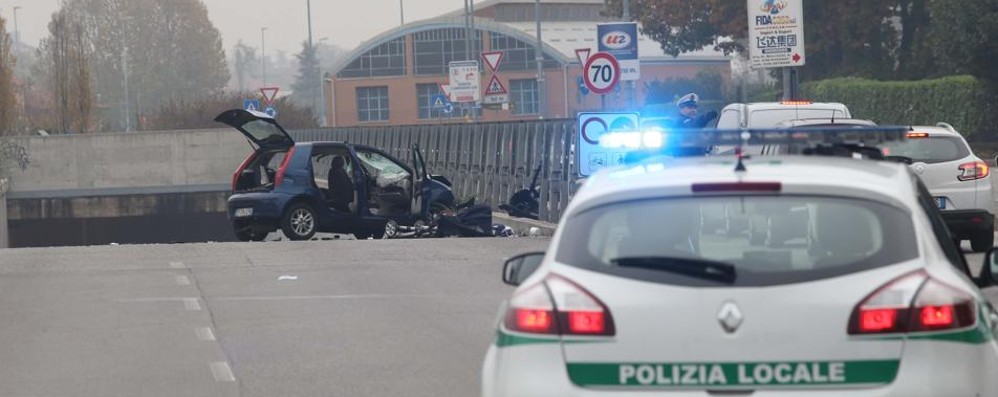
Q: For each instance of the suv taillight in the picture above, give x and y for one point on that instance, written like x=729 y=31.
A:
x=974 y=170
x=914 y=302
x=558 y=306
x=239 y=171
x=279 y=177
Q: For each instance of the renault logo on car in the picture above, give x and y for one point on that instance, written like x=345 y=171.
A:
x=730 y=317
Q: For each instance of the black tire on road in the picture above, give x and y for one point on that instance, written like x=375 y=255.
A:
x=299 y=222
x=983 y=241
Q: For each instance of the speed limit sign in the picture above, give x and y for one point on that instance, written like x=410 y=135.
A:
x=602 y=73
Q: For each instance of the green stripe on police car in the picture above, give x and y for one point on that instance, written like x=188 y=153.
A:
x=767 y=374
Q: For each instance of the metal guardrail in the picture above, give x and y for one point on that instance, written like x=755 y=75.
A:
x=489 y=161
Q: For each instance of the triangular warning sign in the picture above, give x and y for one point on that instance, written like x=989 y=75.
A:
x=582 y=54
x=439 y=103
x=495 y=87
x=493 y=59
x=445 y=88
x=269 y=93
x=251 y=108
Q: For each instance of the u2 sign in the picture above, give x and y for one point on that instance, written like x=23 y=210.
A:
x=602 y=73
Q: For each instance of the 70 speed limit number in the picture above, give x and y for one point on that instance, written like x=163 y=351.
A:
x=602 y=73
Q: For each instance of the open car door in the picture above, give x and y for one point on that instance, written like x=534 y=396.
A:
x=419 y=177
x=259 y=128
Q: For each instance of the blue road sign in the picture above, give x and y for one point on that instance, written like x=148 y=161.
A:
x=621 y=41
x=448 y=109
x=270 y=110
x=582 y=86
x=251 y=104
x=440 y=102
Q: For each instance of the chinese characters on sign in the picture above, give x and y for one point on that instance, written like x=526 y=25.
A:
x=776 y=33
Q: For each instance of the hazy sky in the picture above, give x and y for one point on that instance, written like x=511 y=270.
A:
x=345 y=23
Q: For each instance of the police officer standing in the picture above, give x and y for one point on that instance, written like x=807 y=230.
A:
x=688 y=105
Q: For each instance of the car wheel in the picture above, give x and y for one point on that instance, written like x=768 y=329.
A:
x=983 y=242
x=299 y=222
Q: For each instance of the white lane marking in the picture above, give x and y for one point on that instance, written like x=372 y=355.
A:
x=177 y=265
x=183 y=280
x=192 y=304
x=306 y=297
x=204 y=333
x=221 y=371
x=154 y=300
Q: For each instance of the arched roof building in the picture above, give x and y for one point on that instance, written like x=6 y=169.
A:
x=394 y=77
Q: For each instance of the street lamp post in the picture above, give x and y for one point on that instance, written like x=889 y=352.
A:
x=17 y=32
x=539 y=56
x=263 y=54
x=312 y=74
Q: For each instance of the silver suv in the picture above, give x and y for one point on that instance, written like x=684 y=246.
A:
x=958 y=180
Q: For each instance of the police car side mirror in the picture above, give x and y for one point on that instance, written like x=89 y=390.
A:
x=519 y=267
x=989 y=272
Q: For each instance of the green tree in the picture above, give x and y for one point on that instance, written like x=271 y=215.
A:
x=963 y=37
x=244 y=64
x=65 y=72
x=843 y=37
x=8 y=101
x=307 y=89
x=165 y=50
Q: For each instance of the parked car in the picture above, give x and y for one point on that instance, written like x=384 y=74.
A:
x=959 y=181
x=331 y=187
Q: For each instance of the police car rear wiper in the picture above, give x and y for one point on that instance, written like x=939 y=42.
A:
x=701 y=268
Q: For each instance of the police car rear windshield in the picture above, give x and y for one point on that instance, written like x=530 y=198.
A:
x=769 y=240
x=932 y=149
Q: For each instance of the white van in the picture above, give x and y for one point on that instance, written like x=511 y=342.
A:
x=769 y=114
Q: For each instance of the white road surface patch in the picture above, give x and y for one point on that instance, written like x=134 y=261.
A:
x=204 y=334
x=287 y=278
x=192 y=304
x=183 y=280
x=177 y=265
x=221 y=371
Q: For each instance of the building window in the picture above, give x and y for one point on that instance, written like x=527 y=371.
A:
x=434 y=49
x=518 y=54
x=372 y=103
x=424 y=97
x=523 y=93
x=387 y=59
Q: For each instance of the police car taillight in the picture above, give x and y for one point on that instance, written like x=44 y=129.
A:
x=939 y=306
x=912 y=303
x=532 y=311
x=559 y=306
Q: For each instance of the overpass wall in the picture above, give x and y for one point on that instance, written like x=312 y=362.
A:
x=170 y=158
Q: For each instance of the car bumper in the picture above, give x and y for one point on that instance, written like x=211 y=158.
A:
x=928 y=369
x=967 y=223
x=260 y=212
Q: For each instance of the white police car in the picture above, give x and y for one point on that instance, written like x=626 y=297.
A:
x=634 y=299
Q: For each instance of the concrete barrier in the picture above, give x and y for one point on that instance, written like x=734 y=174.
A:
x=169 y=158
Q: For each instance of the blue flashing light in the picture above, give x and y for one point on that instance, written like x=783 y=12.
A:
x=633 y=140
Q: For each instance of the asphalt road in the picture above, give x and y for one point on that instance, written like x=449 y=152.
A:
x=323 y=318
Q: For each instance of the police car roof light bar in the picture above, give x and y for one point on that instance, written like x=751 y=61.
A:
x=857 y=135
